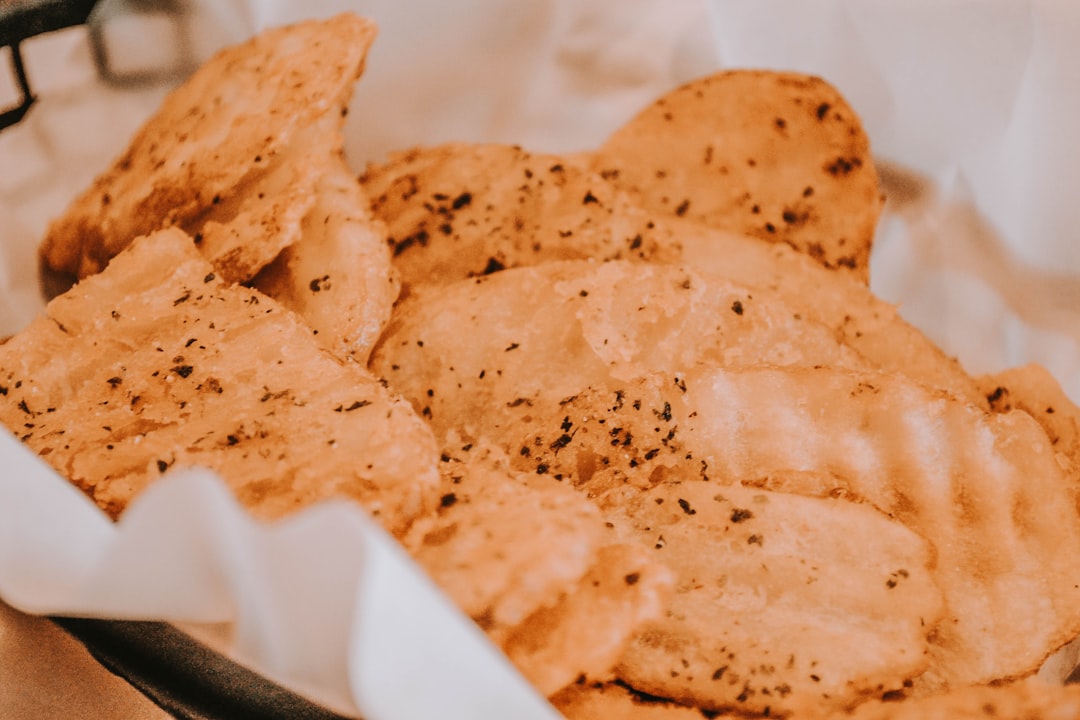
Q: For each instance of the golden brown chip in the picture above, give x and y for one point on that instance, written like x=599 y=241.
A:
x=616 y=701
x=1030 y=700
x=499 y=548
x=779 y=156
x=585 y=632
x=525 y=561
x=781 y=601
x=506 y=346
x=264 y=213
x=456 y=211
x=155 y=364
x=338 y=275
x=247 y=122
x=986 y=490
x=861 y=320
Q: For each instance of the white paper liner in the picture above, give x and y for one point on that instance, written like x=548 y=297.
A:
x=324 y=602
x=955 y=94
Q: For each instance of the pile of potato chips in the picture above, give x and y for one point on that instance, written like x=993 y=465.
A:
x=635 y=410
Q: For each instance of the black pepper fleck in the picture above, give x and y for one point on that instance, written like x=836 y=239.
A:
x=738 y=515
x=183 y=370
x=493 y=266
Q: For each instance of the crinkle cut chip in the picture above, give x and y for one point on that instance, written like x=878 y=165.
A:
x=249 y=114
x=986 y=490
x=781 y=601
x=962 y=477
x=156 y=363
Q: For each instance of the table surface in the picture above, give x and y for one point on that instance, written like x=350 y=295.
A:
x=46 y=675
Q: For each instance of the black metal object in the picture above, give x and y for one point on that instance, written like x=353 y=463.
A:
x=23 y=19
x=184 y=677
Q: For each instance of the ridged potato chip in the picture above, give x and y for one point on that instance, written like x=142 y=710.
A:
x=781 y=601
x=155 y=363
x=623 y=405
x=985 y=489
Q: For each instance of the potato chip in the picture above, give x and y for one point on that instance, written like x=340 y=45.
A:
x=500 y=548
x=986 y=490
x=514 y=218
x=585 y=632
x=155 y=363
x=779 y=156
x=241 y=125
x=780 y=601
x=488 y=350
x=338 y=274
x=456 y=211
x=263 y=214
x=525 y=561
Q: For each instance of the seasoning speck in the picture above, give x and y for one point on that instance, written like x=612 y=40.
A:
x=738 y=515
